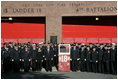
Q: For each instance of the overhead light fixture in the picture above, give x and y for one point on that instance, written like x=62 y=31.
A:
x=10 y=18
x=96 y=18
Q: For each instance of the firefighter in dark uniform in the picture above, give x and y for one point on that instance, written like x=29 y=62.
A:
x=70 y=56
x=52 y=48
x=34 y=57
x=16 y=59
x=48 y=57
x=26 y=59
x=2 y=53
x=39 y=59
x=79 y=56
x=6 y=59
x=21 y=52
x=43 y=48
x=97 y=46
x=11 y=50
x=83 y=58
x=113 y=56
x=91 y=46
x=74 y=57
x=106 y=58
x=94 y=60
x=101 y=63
x=88 y=58
x=56 y=56
x=3 y=48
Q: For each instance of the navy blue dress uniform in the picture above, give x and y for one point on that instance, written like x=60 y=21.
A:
x=52 y=48
x=34 y=57
x=21 y=52
x=79 y=56
x=26 y=59
x=70 y=56
x=113 y=58
x=106 y=59
x=2 y=50
x=11 y=50
x=74 y=57
x=43 y=48
x=6 y=59
x=39 y=59
x=16 y=59
x=48 y=57
x=101 y=63
x=83 y=58
x=95 y=56
x=55 y=58
x=88 y=58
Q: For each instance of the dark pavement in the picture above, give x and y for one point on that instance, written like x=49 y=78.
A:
x=57 y=75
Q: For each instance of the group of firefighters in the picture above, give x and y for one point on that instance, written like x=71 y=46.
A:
x=98 y=58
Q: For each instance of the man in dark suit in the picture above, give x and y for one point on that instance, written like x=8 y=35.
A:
x=95 y=60
x=113 y=58
x=83 y=58
x=11 y=50
x=74 y=57
x=101 y=63
x=26 y=59
x=48 y=57
x=88 y=58
x=43 y=48
x=106 y=58
x=16 y=59
x=34 y=57
x=56 y=56
x=6 y=59
x=21 y=52
x=39 y=59
x=2 y=55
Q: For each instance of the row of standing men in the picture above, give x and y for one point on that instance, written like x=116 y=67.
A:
x=92 y=58
x=17 y=56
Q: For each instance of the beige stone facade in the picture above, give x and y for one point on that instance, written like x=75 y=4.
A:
x=53 y=11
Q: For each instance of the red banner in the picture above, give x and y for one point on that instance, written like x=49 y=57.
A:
x=64 y=63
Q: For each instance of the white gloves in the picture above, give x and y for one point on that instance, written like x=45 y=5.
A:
x=22 y=59
x=78 y=58
x=51 y=58
x=12 y=60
